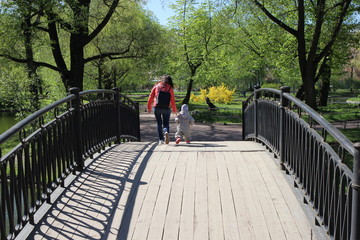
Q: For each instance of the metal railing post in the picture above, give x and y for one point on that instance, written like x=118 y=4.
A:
x=355 y=208
x=256 y=97
x=243 y=120
x=77 y=129
x=284 y=103
x=118 y=115
x=138 y=120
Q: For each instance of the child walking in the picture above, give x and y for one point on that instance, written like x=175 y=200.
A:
x=184 y=121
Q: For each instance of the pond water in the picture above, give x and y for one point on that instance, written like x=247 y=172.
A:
x=7 y=120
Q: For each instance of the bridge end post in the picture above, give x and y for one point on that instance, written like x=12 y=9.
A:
x=284 y=103
x=77 y=129
x=138 y=121
x=256 y=97
x=355 y=208
x=243 y=120
x=117 y=113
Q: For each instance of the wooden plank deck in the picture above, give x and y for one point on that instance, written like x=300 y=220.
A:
x=202 y=190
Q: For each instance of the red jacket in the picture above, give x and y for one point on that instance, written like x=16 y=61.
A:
x=154 y=93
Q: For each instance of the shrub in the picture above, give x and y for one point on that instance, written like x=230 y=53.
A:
x=271 y=85
x=220 y=94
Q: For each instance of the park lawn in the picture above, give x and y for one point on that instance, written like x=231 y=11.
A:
x=353 y=134
x=340 y=112
x=225 y=114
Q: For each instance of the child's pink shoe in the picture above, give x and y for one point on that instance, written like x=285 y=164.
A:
x=178 y=140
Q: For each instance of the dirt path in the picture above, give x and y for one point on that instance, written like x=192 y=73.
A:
x=200 y=132
x=209 y=132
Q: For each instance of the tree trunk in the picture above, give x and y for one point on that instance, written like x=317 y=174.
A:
x=310 y=93
x=77 y=61
x=35 y=81
x=300 y=92
x=188 y=92
x=325 y=85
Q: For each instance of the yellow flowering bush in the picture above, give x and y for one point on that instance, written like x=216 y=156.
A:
x=199 y=98
x=219 y=94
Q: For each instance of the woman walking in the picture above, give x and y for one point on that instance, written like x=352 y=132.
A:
x=161 y=99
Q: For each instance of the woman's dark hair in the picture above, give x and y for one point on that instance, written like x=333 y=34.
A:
x=167 y=79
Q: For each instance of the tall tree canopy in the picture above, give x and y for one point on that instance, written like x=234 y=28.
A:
x=315 y=25
x=71 y=27
x=200 y=33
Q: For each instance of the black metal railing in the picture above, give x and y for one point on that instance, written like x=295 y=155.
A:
x=299 y=136
x=81 y=124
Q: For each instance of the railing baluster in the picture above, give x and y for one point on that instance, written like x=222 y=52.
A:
x=256 y=97
x=117 y=113
x=284 y=103
x=77 y=129
x=33 y=169
x=355 y=208
x=318 y=167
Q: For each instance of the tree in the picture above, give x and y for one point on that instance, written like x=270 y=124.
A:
x=77 y=22
x=314 y=41
x=138 y=37
x=23 y=23
x=198 y=34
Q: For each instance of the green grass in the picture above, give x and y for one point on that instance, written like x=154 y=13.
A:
x=340 y=112
x=9 y=145
x=354 y=99
x=226 y=113
x=353 y=135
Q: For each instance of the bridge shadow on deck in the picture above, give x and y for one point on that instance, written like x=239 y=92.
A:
x=205 y=189
x=85 y=210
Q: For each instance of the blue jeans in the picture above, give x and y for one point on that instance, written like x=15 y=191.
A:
x=162 y=116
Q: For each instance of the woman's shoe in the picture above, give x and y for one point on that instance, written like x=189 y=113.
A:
x=178 y=140
x=167 y=139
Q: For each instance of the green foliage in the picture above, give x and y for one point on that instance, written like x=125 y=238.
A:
x=340 y=112
x=14 y=90
x=271 y=85
x=240 y=48
x=140 y=39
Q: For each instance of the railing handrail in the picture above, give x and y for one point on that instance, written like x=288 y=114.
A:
x=87 y=92
x=32 y=117
x=53 y=147
x=339 y=136
x=332 y=189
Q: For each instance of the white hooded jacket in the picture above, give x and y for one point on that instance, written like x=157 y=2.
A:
x=184 y=120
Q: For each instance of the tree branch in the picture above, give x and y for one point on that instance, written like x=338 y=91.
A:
x=111 y=55
x=337 y=28
x=55 y=44
x=320 y=11
x=18 y=60
x=274 y=19
x=37 y=64
x=106 y=19
x=125 y=57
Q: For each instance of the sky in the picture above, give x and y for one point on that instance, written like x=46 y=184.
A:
x=160 y=9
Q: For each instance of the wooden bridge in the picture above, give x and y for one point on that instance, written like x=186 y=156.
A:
x=203 y=190
x=81 y=176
